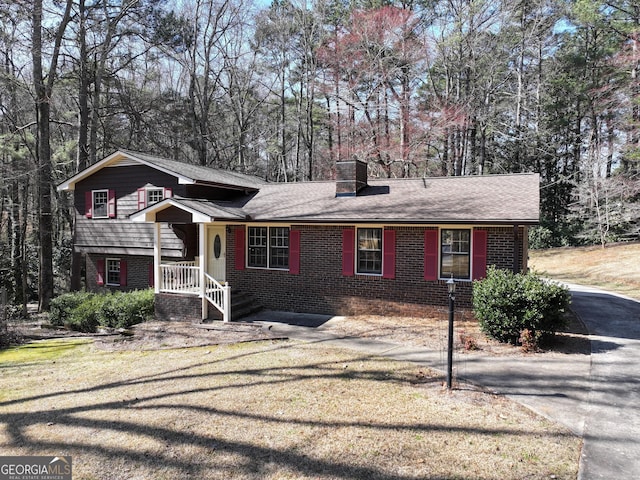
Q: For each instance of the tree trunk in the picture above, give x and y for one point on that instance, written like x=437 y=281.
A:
x=43 y=93
x=83 y=93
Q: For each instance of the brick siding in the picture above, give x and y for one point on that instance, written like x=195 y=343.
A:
x=172 y=306
x=320 y=287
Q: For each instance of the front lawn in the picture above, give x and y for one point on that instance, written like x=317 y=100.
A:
x=264 y=410
x=614 y=268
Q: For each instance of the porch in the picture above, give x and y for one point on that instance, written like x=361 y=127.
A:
x=202 y=228
x=188 y=278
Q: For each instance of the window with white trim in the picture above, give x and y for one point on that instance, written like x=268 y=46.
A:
x=154 y=195
x=369 y=251
x=268 y=247
x=150 y=195
x=100 y=201
x=455 y=253
x=113 y=271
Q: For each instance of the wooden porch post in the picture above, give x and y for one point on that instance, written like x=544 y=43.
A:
x=157 y=257
x=202 y=257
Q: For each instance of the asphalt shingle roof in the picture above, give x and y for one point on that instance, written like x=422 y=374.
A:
x=490 y=199
x=470 y=199
x=200 y=173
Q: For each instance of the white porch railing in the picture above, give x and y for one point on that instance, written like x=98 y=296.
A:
x=184 y=277
x=180 y=277
x=219 y=295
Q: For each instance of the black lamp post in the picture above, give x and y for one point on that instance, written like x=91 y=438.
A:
x=451 y=285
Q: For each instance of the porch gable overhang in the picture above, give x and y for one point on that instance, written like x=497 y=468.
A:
x=199 y=211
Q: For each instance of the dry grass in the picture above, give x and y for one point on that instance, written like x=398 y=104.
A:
x=431 y=332
x=265 y=410
x=615 y=268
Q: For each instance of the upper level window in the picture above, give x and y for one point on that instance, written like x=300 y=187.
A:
x=268 y=247
x=455 y=253
x=150 y=195
x=369 y=256
x=154 y=195
x=100 y=202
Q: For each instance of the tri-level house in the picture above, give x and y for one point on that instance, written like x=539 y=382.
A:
x=199 y=236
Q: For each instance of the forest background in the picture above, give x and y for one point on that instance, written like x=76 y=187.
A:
x=283 y=90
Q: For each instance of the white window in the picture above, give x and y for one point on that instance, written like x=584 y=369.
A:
x=154 y=195
x=268 y=247
x=100 y=201
x=113 y=271
x=369 y=255
x=455 y=253
x=150 y=195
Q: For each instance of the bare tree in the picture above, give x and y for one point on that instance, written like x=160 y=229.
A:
x=43 y=89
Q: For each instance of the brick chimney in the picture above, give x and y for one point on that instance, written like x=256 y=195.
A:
x=351 y=177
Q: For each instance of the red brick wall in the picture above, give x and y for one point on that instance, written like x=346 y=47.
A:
x=500 y=247
x=320 y=287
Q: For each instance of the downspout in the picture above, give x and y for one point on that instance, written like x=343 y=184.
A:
x=525 y=249
x=516 y=249
x=157 y=258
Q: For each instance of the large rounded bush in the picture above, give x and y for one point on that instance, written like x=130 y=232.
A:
x=85 y=312
x=506 y=304
x=63 y=305
x=121 y=310
x=84 y=318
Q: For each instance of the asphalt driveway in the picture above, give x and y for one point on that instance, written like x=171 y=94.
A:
x=612 y=425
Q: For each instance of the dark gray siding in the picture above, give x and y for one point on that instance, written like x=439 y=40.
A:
x=119 y=235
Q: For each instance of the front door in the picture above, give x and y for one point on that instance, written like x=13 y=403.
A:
x=217 y=252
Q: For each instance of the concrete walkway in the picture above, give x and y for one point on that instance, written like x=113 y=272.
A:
x=596 y=396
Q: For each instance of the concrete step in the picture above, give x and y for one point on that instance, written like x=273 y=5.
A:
x=243 y=304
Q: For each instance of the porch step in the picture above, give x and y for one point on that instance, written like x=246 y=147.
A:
x=242 y=305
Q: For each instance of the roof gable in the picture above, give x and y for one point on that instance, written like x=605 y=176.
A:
x=186 y=174
x=201 y=211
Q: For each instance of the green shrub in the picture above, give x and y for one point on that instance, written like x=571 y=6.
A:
x=506 y=304
x=84 y=311
x=63 y=306
x=84 y=318
x=121 y=310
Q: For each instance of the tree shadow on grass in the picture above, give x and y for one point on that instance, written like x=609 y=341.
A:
x=171 y=390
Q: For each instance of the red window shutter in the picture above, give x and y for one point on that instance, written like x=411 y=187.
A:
x=431 y=254
x=239 y=249
x=389 y=254
x=88 y=204
x=100 y=271
x=294 y=252
x=123 y=273
x=142 y=198
x=348 y=252
x=479 y=246
x=151 y=275
x=168 y=193
x=111 y=204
